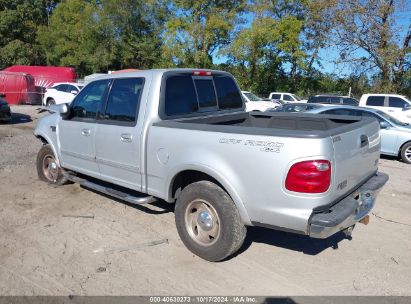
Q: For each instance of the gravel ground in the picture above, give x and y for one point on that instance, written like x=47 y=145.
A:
x=46 y=249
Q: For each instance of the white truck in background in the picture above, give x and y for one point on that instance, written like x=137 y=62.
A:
x=398 y=106
x=287 y=97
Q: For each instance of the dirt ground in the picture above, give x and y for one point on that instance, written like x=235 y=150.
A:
x=47 y=249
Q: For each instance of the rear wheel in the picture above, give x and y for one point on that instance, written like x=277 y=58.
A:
x=406 y=153
x=208 y=222
x=51 y=101
x=48 y=169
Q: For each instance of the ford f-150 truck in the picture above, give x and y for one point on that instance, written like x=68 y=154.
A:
x=183 y=136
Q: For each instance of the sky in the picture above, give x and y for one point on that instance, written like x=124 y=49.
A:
x=328 y=56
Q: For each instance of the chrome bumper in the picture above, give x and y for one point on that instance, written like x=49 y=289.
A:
x=347 y=212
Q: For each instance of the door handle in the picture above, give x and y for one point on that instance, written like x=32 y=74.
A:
x=85 y=132
x=363 y=141
x=126 y=137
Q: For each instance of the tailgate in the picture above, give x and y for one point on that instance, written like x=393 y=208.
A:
x=356 y=155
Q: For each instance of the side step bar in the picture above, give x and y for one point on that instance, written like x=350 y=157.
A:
x=135 y=200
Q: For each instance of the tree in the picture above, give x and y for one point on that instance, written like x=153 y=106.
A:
x=197 y=29
x=366 y=34
x=281 y=46
x=78 y=35
x=19 y=21
x=137 y=28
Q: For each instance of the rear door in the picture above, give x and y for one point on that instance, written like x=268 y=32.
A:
x=118 y=134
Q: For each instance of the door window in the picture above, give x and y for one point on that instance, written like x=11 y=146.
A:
x=89 y=101
x=276 y=96
x=375 y=101
x=124 y=101
x=288 y=98
x=396 y=102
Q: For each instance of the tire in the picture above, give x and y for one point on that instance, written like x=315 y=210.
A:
x=47 y=167
x=50 y=102
x=208 y=222
x=406 y=153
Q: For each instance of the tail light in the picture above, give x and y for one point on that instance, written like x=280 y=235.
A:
x=202 y=73
x=313 y=176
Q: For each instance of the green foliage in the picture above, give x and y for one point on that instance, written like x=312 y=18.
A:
x=19 y=21
x=78 y=35
x=269 y=45
x=197 y=29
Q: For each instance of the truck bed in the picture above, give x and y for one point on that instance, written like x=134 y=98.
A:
x=273 y=124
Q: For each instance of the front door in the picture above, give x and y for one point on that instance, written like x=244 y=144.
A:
x=77 y=132
x=118 y=134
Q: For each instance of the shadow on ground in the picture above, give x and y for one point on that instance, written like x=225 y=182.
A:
x=291 y=241
x=18 y=118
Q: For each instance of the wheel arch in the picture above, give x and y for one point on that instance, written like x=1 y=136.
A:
x=47 y=141
x=402 y=145
x=187 y=176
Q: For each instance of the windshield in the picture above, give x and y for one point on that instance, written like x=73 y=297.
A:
x=296 y=97
x=391 y=119
x=252 y=97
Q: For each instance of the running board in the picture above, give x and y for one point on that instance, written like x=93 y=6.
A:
x=135 y=200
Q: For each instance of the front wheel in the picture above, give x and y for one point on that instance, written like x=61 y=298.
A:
x=48 y=169
x=50 y=102
x=208 y=222
x=406 y=153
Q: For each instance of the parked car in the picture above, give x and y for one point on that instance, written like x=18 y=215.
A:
x=297 y=107
x=182 y=135
x=62 y=92
x=287 y=97
x=395 y=135
x=5 y=112
x=333 y=99
x=397 y=106
x=255 y=103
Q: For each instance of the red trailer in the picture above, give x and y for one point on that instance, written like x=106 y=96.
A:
x=18 y=88
x=46 y=76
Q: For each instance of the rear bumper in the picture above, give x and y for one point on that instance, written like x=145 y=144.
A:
x=348 y=211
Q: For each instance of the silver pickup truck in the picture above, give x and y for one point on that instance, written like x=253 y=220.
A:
x=183 y=136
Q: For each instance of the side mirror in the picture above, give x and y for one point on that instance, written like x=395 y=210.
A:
x=64 y=110
x=74 y=92
x=384 y=125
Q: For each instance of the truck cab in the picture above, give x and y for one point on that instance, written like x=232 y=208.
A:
x=395 y=105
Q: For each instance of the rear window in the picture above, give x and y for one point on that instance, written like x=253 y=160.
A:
x=186 y=94
x=375 y=101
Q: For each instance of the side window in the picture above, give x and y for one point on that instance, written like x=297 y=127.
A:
x=62 y=88
x=276 y=96
x=350 y=101
x=71 y=88
x=396 y=102
x=124 y=100
x=372 y=115
x=89 y=101
x=180 y=95
x=342 y=112
x=227 y=92
x=288 y=97
x=375 y=101
x=57 y=87
x=206 y=93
